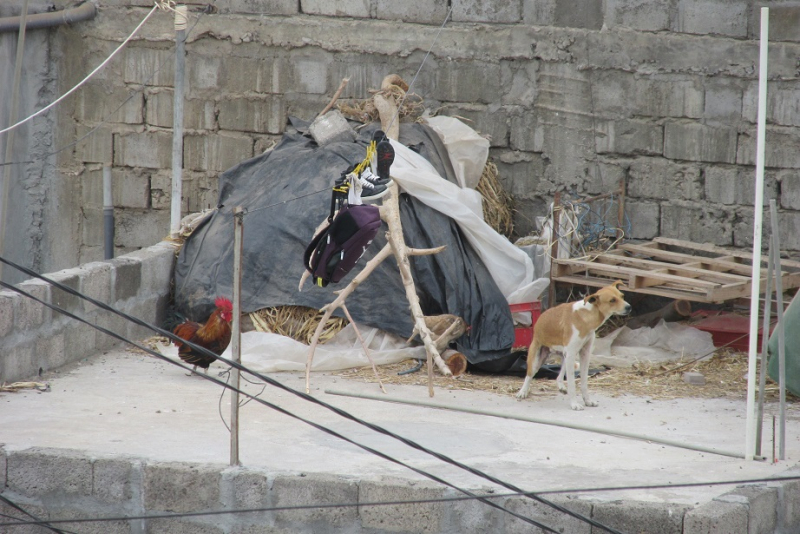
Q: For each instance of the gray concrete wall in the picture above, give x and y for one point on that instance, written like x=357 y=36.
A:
x=63 y=484
x=574 y=94
x=35 y=339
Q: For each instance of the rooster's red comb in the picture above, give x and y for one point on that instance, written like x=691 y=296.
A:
x=223 y=304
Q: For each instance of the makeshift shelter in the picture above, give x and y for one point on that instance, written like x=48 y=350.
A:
x=286 y=194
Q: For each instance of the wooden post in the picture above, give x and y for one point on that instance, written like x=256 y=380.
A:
x=236 y=334
x=621 y=209
x=551 y=290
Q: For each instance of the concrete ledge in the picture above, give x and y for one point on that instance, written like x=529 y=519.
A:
x=35 y=339
x=66 y=484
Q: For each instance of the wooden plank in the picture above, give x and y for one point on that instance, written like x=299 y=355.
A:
x=681 y=258
x=644 y=276
x=661 y=291
x=715 y=249
x=671 y=268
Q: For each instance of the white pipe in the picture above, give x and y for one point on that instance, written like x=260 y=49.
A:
x=750 y=442
x=177 y=121
x=108 y=214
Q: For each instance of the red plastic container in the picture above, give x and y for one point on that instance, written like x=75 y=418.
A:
x=523 y=335
x=726 y=329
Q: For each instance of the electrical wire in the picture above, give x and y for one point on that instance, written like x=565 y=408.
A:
x=86 y=79
x=36 y=520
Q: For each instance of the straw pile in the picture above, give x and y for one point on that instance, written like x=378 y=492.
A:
x=296 y=322
x=498 y=205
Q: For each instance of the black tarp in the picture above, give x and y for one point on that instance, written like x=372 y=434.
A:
x=286 y=194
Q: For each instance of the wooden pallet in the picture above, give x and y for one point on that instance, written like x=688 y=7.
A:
x=675 y=269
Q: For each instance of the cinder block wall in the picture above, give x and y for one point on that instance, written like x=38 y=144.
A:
x=35 y=339
x=574 y=94
x=63 y=484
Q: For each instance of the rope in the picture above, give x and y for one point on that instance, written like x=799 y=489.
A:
x=86 y=79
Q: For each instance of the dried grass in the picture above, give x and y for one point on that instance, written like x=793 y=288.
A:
x=296 y=322
x=498 y=205
x=725 y=374
x=365 y=111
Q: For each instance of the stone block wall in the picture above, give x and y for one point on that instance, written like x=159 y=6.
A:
x=56 y=484
x=35 y=339
x=575 y=95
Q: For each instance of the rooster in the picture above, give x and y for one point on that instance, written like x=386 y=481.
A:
x=214 y=335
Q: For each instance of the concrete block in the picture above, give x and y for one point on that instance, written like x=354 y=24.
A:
x=79 y=340
x=95 y=103
x=657 y=178
x=37 y=511
x=789 y=189
x=140 y=62
x=781 y=151
x=216 y=152
x=92 y=188
x=143 y=149
x=788 y=223
x=548 y=515
x=315 y=489
x=694 y=378
x=97 y=147
x=789 y=509
x=140 y=228
x=522 y=133
x=178 y=487
x=69 y=278
x=158 y=107
x=161 y=189
x=783 y=106
x=127 y=277
x=607 y=177
x=644 y=219
x=723 y=99
x=28 y=313
x=331 y=128
x=784 y=22
x=762 y=502
x=540 y=13
x=699 y=142
x=262 y=115
x=40 y=472
x=309 y=71
x=92 y=228
x=130 y=188
x=473 y=517
x=342 y=8
x=2 y=467
x=432 y=12
x=261 y=7
x=503 y=11
x=698 y=223
x=96 y=283
x=643 y=15
x=714 y=17
x=519 y=83
x=113 y=480
x=113 y=323
x=668 y=96
x=8 y=301
x=18 y=362
x=460 y=81
x=181 y=526
x=419 y=518
x=69 y=512
x=736 y=186
x=519 y=172
x=491 y=122
x=641 y=517
x=716 y=517
x=157 y=262
x=586 y=14
x=49 y=351
x=629 y=137
x=242 y=488
x=264 y=71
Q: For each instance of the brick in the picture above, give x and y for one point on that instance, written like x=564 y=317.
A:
x=143 y=149
x=497 y=11
x=8 y=301
x=263 y=115
x=432 y=12
x=780 y=149
x=127 y=277
x=658 y=178
x=420 y=518
x=629 y=137
x=216 y=152
x=716 y=517
x=736 y=186
x=136 y=229
x=29 y=313
x=96 y=103
x=643 y=15
x=548 y=515
x=762 y=503
x=315 y=489
x=42 y=472
x=641 y=517
x=177 y=487
x=698 y=142
x=644 y=218
x=97 y=147
x=586 y=14
x=701 y=224
x=341 y=8
x=149 y=66
x=715 y=17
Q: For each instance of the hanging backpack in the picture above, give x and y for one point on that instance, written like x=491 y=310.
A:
x=336 y=249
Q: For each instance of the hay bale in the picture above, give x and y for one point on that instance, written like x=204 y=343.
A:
x=296 y=322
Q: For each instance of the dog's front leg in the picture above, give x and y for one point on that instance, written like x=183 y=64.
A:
x=585 y=355
x=569 y=363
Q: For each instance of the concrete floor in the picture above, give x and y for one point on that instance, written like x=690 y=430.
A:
x=124 y=402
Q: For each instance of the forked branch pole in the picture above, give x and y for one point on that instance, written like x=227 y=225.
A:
x=390 y=213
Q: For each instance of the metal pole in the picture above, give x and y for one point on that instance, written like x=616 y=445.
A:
x=236 y=334
x=776 y=262
x=108 y=214
x=177 y=120
x=755 y=282
x=574 y=426
x=762 y=373
x=12 y=119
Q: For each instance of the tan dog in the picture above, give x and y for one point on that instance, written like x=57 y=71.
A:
x=570 y=328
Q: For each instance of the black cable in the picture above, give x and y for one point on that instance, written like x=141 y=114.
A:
x=274 y=383
x=36 y=520
x=276 y=407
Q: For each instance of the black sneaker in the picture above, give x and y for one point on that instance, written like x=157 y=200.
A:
x=371 y=191
x=384 y=158
x=367 y=175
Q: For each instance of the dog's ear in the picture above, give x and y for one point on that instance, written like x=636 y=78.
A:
x=617 y=283
x=591 y=299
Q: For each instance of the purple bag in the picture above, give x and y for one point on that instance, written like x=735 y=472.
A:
x=338 y=247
